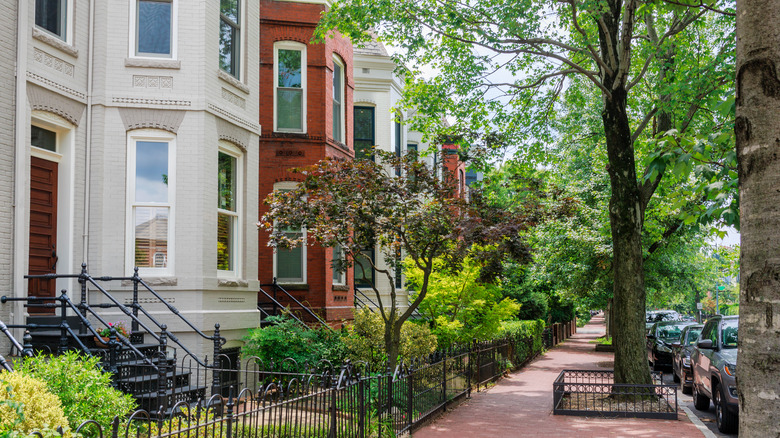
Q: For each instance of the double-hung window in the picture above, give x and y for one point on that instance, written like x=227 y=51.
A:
x=338 y=100
x=364 y=138
x=228 y=211
x=398 y=133
x=52 y=16
x=339 y=275
x=154 y=28
x=230 y=36
x=290 y=87
x=290 y=263
x=151 y=189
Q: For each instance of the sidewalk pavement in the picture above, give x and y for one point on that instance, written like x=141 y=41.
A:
x=521 y=405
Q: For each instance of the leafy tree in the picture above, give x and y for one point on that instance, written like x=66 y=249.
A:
x=757 y=131
x=459 y=306
x=359 y=204
x=626 y=51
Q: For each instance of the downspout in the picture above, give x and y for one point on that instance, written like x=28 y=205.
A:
x=21 y=166
x=88 y=146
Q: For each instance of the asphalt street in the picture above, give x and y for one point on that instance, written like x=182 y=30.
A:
x=706 y=417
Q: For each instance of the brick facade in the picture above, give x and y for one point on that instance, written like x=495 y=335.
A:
x=289 y=21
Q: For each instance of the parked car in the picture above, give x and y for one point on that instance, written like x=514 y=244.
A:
x=653 y=316
x=681 y=363
x=660 y=338
x=714 y=364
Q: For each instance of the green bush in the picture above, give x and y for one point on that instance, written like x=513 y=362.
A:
x=28 y=396
x=522 y=329
x=365 y=339
x=288 y=338
x=81 y=385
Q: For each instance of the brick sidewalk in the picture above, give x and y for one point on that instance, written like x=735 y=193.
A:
x=521 y=405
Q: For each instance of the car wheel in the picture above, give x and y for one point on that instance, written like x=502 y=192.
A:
x=700 y=401
x=727 y=422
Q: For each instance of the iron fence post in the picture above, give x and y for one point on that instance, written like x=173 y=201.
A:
x=115 y=427
x=83 y=303
x=134 y=325
x=410 y=401
x=63 y=324
x=333 y=393
x=27 y=348
x=162 y=371
x=229 y=414
x=361 y=407
x=215 y=375
x=444 y=380
x=390 y=399
x=113 y=345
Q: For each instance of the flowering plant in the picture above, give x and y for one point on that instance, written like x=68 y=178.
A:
x=120 y=326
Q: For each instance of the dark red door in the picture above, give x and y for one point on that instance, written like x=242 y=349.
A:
x=43 y=229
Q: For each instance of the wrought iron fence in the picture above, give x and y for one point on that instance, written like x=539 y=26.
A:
x=320 y=400
x=589 y=393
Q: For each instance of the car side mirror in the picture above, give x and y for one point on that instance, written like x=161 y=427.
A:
x=706 y=344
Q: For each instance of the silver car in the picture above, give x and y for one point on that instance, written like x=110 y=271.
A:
x=714 y=363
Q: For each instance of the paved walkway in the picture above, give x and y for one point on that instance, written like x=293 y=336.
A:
x=521 y=405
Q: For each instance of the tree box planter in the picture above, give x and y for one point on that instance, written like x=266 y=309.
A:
x=594 y=393
x=605 y=348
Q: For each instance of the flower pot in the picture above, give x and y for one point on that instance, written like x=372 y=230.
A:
x=101 y=342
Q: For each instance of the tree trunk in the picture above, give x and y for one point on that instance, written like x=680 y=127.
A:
x=758 y=146
x=393 y=343
x=626 y=218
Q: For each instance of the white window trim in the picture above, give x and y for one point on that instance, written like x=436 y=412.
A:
x=291 y=185
x=291 y=45
x=343 y=78
x=240 y=74
x=132 y=138
x=68 y=37
x=238 y=233
x=132 y=42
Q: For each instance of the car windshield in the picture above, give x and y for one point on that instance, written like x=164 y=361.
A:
x=693 y=335
x=669 y=333
x=664 y=316
x=729 y=333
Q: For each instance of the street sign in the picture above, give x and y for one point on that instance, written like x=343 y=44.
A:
x=699 y=306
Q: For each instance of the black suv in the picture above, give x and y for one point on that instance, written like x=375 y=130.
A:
x=714 y=364
x=660 y=338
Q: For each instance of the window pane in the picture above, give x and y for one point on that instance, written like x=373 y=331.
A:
x=227 y=182
x=151 y=171
x=363 y=149
x=154 y=27
x=50 y=15
x=228 y=47
x=289 y=69
x=289 y=264
x=43 y=138
x=363 y=258
x=229 y=8
x=337 y=121
x=151 y=237
x=336 y=82
x=225 y=225
x=338 y=260
x=289 y=113
x=364 y=123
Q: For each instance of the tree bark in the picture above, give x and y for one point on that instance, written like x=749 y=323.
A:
x=758 y=146
x=626 y=217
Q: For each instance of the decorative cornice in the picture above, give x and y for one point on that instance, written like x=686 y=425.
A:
x=144 y=101
x=38 y=78
x=140 y=118
x=234 y=118
x=225 y=76
x=43 y=99
x=53 y=62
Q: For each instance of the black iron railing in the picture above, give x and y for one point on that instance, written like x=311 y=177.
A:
x=280 y=293
x=595 y=393
x=354 y=400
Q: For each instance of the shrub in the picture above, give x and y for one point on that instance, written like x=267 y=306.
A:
x=40 y=409
x=288 y=338
x=81 y=385
x=532 y=329
x=365 y=339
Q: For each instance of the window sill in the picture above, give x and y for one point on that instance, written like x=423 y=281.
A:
x=294 y=286
x=55 y=42
x=154 y=281
x=172 y=64
x=227 y=77
x=226 y=282
x=340 y=288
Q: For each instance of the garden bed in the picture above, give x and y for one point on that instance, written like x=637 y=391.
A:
x=594 y=393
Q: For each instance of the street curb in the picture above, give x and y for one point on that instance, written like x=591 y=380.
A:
x=698 y=423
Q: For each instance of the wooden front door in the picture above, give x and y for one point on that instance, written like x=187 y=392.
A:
x=43 y=230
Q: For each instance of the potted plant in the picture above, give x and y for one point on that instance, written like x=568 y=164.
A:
x=105 y=332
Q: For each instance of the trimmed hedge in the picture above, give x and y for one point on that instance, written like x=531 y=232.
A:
x=523 y=329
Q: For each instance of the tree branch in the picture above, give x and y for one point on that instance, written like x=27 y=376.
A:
x=649 y=116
